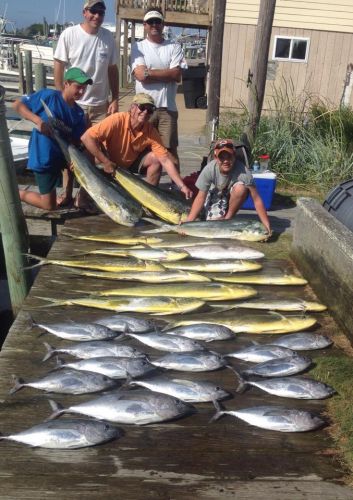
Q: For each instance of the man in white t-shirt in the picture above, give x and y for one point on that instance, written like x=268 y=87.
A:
x=156 y=64
x=93 y=49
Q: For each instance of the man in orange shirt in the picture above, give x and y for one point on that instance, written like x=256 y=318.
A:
x=128 y=140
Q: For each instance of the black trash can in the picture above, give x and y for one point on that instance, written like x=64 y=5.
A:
x=339 y=203
x=194 y=86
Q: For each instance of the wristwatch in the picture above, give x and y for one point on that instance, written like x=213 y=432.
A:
x=146 y=73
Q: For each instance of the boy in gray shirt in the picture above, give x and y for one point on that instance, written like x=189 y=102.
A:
x=224 y=185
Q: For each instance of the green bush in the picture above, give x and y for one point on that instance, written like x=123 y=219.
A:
x=310 y=143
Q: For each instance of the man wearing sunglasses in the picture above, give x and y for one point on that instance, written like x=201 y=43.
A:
x=223 y=186
x=128 y=140
x=93 y=49
x=156 y=64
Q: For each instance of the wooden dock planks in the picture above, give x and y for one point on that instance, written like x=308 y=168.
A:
x=187 y=458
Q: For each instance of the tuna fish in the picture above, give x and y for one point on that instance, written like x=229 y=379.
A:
x=112 y=367
x=94 y=349
x=280 y=367
x=131 y=407
x=261 y=353
x=195 y=361
x=275 y=418
x=291 y=387
x=67 y=434
x=190 y=391
x=303 y=341
x=67 y=381
x=123 y=323
x=164 y=342
x=160 y=202
x=80 y=332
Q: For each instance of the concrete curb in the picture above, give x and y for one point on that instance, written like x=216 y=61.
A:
x=323 y=250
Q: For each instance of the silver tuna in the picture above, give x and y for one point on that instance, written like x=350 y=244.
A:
x=128 y=324
x=261 y=353
x=80 y=332
x=191 y=391
x=67 y=381
x=292 y=387
x=195 y=361
x=303 y=341
x=276 y=418
x=94 y=349
x=164 y=342
x=131 y=407
x=67 y=434
x=113 y=367
x=281 y=367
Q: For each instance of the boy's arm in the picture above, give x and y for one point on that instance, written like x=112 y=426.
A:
x=42 y=126
x=59 y=68
x=197 y=206
x=260 y=208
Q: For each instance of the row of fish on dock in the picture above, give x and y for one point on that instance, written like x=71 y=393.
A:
x=200 y=297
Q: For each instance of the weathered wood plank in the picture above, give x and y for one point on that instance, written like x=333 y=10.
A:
x=188 y=458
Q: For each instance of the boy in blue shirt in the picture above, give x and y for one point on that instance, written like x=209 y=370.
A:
x=45 y=157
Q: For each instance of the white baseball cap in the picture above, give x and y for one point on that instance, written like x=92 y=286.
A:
x=153 y=14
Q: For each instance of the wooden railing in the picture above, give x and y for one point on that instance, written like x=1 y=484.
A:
x=192 y=6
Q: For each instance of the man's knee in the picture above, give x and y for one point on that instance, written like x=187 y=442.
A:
x=239 y=191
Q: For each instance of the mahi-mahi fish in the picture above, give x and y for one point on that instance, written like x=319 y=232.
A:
x=232 y=228
x=259 y=322
x=176 y=276
x=113 y=265
x=161 y=203
x=204 y=291
x=110 y=197
x=152 y=305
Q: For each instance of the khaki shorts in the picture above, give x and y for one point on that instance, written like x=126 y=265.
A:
x=166 y=122
x=95 y=114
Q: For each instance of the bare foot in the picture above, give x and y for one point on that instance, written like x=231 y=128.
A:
x=63 y=201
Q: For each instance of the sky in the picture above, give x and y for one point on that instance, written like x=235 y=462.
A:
x=26 y=12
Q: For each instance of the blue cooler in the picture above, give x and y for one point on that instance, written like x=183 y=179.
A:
x=266 y=185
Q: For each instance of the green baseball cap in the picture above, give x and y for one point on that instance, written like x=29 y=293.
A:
x=77 y=75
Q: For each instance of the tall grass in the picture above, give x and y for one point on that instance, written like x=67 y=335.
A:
x=310 y=143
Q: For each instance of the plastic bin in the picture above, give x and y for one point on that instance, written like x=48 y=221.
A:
x=194 y=86
x=265 y=185
x=339 y=202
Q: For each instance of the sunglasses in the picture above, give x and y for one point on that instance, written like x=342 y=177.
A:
x=144 y=107
x=224 y=144
x=154 y=21
x=94 y=11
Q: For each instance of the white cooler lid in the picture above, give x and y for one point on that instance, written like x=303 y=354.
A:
x=264 y=175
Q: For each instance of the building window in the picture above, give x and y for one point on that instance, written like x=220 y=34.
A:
x=291 y=49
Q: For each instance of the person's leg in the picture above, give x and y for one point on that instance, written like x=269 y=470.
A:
x=47 y=182
x=166 y=122
x=65 y=199
x=153 y=168
x=44 y=201
x=237 y=197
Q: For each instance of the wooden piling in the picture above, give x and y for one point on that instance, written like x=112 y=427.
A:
x=12 y=222
x=40 y=77
x=29 y=71
x=21 y=75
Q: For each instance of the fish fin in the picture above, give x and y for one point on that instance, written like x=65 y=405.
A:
x=237 y=374
x=50 y=351
x=18 y=384
x=253 y=342
x=42 y=261
x=57 y=408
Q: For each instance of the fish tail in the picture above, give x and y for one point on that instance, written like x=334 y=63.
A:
x=242 y=381
x=50 y=352
x=57 y=408
x=42 y=261
x=219 y=412
x=19 y=382
x=54 y=302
